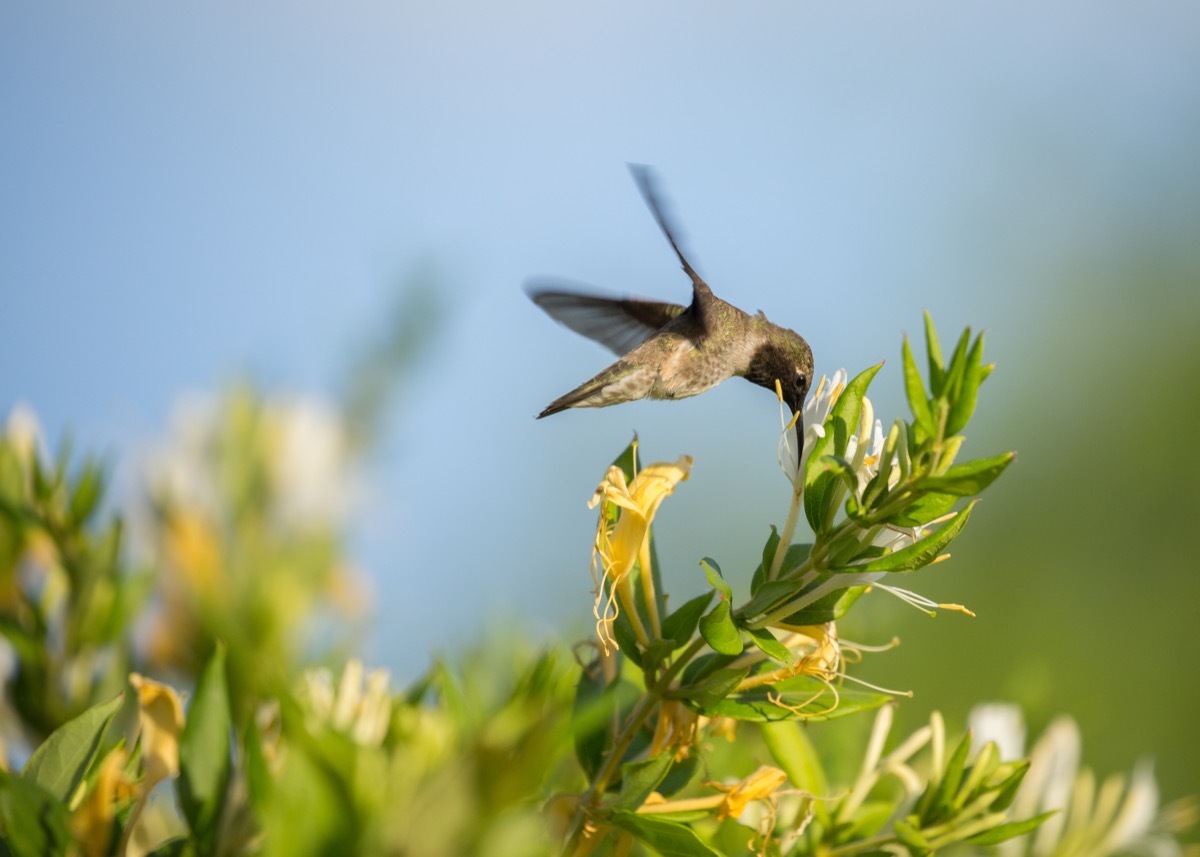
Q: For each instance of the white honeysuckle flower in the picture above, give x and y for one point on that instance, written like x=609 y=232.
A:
x=1001 y=723
x=1118 y=817
x=24 y=431
x=361 y=707
x=816 y=411
x=309 y=461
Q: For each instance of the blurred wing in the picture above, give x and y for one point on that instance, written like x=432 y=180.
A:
x=620 y=324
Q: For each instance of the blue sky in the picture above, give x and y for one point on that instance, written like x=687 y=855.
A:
x=193 y=192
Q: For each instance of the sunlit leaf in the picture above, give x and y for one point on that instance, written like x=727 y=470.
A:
x=668 y=838
x=970 y=478
x=681 y=624
x=204 y=752
x=923 y=551
x=60 y=763
x=719 y=631
x=639 y=779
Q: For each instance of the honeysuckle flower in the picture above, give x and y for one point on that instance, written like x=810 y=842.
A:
x=1117 y=817
x=760 y=785
x=160 y=717
x=626 y=511
x=23 y=431
x=92 y=820
x=361 y=706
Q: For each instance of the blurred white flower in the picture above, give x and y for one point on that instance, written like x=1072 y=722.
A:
x=24 y=431
x=309 y=461
x=360 y=707
x=1119 y=817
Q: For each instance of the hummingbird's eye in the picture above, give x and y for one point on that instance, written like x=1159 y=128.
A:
x=801 y=379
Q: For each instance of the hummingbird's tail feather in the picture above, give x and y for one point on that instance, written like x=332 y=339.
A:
x=621 y=382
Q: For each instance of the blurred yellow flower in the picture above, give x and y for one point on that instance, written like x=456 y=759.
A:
x=626 y=512
x=760 y=785
x=91 y=823
x=160 y=716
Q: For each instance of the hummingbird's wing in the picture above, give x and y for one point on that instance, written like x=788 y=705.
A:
x=620 y=324
x=701 y=293
x=624 y=381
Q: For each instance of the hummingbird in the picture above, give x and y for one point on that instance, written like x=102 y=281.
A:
x=669 y=351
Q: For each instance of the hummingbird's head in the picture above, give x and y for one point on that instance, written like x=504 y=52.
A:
x=785 y=357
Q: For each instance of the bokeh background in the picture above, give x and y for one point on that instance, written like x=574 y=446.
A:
x=197 y=194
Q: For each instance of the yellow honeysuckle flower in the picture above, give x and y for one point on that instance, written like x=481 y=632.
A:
x=761 y=784
x=91 y=823
x=618 y=546
x=160 y=715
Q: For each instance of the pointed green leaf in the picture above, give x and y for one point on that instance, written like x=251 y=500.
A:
x=769 y=595
x=793 y=751
x=1010 y=830
x=719 y=631
x=800 y=698
x=923 y=551
x=933 y=349
x=204 y=752
x=715 y=578
x=768 y=557
x=929 y=507
x=639 y=779
x=951 y=779
x=827 y=608
x=627 y=640
x=1006 y=793
x=769 y=646
x=969 y=478
x=668 y=838
x=63 y=759
x=33 y=821
x=957 y=369
x=710 y=691
x=680 y=625
x=914 y=388
x=962 y=406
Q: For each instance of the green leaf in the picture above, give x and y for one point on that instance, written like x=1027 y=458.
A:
x=704 y=666
x=710 y=691
x=719 y=632
x=827 y=608
x=680 y=625
x=910 y=836
x=34 y=822
x=926 y=508
x=923 y=551
x=937 y=365
x=87 y=491
x=970 y=478
x=918 y=399
x=768 y=557
x=63 y=759
x=842 y=422
x=639 y=779
x=627 y=460
x=769 y=646
x=666 y=837
x=769 y=595
x=626 y=639
x=951 y=779
x=803 y=698
x=715 y=579
x=680 y=776
x=204 y=753
x=962 y=406
x=790 y=747
x=1010 y=830
x=1006 y=792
